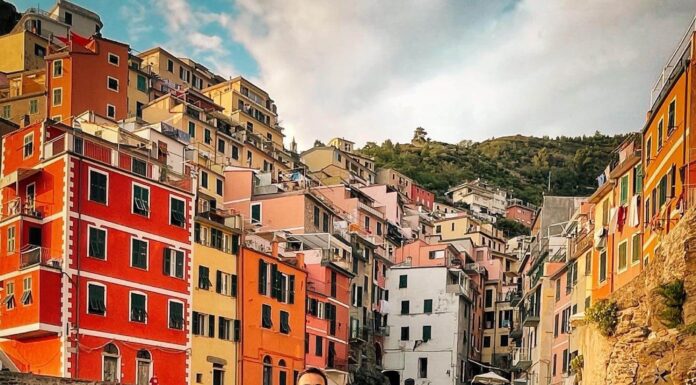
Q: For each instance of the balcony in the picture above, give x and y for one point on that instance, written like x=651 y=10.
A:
x=530 y=315
x=514 y=297
x=459 y=290
x=22 y=207
x=34 y=313
x=382 y=331
x=516 y=334
x=360 y=334
x=521 y=359
x=32 y=255
x=581 y=243
x=474 y=268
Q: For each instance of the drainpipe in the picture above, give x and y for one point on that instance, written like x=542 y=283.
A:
x=78 y=281
x=684 y=143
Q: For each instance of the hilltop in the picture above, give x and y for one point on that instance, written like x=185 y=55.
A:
x=520 y=164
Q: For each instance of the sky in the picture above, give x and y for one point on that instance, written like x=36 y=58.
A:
x=462 y=69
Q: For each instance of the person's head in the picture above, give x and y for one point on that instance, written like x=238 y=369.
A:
x=312 y=376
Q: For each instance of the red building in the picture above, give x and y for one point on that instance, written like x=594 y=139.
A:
x=421 y=196
x=327 y=344
x=523 y=213
x=86 y=254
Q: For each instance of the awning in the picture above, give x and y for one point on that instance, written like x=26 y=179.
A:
x=489 y=378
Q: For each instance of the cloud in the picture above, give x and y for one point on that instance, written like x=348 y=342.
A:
x=135 y=15
x=463 y=70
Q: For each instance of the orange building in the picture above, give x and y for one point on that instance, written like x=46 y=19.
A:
x=87 y=75
x=272 y=309
x=669 y=153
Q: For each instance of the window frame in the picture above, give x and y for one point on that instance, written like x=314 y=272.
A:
x=53 y=68
x=26 y=155
x=169 y=314
x=107 y=111
x=251 y=212
x=93 y=283
x=111 y=55
x=171 y=206
x=59 y=91
x=624 y=244
x=147 y=253
x=89 y=184
x=130 y=306
x=133 y=185
x=640 y=249
x=89 y=241
x=108 y=86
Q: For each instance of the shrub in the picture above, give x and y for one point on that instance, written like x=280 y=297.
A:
x=689 y=329
x=576 y=365
x=674 y=295
x=604 y=314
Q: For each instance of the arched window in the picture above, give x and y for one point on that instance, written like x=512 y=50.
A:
x=110 y=366
x=267 y=371
x=282 y=374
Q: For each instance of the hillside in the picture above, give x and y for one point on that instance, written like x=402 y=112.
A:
x=519 y=163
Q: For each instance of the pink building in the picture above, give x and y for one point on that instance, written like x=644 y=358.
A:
x=560 y=348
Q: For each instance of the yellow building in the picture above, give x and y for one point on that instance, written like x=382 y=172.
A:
x=24 y=94
x=139 y=86
x=215 y=325
x=251 y=107
x=337 y=163
x=22 y=51
x=173 y=71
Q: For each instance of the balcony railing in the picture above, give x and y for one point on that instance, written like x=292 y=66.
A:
x=474 y=268
x=32 y=255
x=459 y=290
x=18 y=206
x=521 y=359
x=582 y=242
x=106 y=154
x=529 y=314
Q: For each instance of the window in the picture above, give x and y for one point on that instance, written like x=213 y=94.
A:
x=403 y=281
x=207 y=137
x=138 y=253
x=558 y=290
x=114 y=59
x=266 y=320
x=204 y=179
x=221 y=146
x=173 y=263
x=170 y=65
x=379 y=228
x=138 y=307
x=224 y=328
x=404 y=333
x=219 y=186
x=422 y=367
x=438 y=229
x=603 y=266
x=201 y=324
x=404 y=307
x=660 y=133
x=504 y=340
x=96 y=299
x=672 y=181
x=428 y=306
x=142 y=83
x=225 y=284
x=489 y=298
x=192 y=129
x=33 y=107
x=555 y=326
x=554 y=364
x=662 y=191
x=111 y=111
x=68 y=18
x=636 y=249
x=624 y=189
x=623 y=255
x=97 y=243
x=427 y=333
x=177 y=214
x=235 y=152
x=28 y=148
x=267 y=371
x=7 y=112
x=263 y=277
x=637 y=179
x=316 y=216
x=367 y=223
x=11 y=239
x=204 y=277
x=256 y=213
x=648 y=148
x=139 y=166
x=57 y=68
x=284 y=322
x=565 y=361
x=486 y=341
x=9 y=295
x=176 y=315
x=325 y=223
x=98 y=182
x=39 y=50
x=671 y=117
x=112 y=83
x=26 y=293
x=141 y=200
x=436 y=254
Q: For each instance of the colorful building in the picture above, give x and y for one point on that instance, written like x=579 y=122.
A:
x=272 y=307
x=91 y=256
x=520 y=212
x=23 y=97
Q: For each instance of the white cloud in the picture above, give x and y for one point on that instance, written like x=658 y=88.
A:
x=463 y=70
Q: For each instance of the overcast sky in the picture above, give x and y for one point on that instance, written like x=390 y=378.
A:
x=372 y=70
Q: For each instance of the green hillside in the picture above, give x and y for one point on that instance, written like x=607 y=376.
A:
x=520 y=164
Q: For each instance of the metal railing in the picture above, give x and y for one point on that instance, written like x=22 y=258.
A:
x=672 y=62
x=17 y=206
x=519 y=354
x=32 y=255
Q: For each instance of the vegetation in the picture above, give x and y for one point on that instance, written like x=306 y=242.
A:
x=511 y=228
x=605 y=315
x=576 y=365
x=674 y=295
x=689 y=329
x=519 y=164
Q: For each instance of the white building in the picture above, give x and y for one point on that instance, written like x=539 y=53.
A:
x=484 y=200
x=64 y=16
x=428 y=320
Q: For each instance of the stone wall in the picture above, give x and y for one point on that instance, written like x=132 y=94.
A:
x=643 y=350
x=11 y=378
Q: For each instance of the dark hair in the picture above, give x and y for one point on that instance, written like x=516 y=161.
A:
x=314 y=371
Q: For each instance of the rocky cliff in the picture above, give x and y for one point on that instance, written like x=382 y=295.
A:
x=643 y=350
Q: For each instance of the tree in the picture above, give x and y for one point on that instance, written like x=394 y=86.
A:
x=510 y=227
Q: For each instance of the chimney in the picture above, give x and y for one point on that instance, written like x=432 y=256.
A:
x=274 y=248
x=300 y=260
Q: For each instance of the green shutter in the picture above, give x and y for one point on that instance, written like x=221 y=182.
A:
x=403 y=281
x=624 y=189
x=167 y=262
x=179 y=264
x=427 y=332
x=234 y=285
x=428 y=306
x=263 y=277
x=291 y=287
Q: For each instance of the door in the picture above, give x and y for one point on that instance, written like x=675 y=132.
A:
x=143 y=374
x=218 y=377
x=110 y=369
x=31 y=196
x=35 y=236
